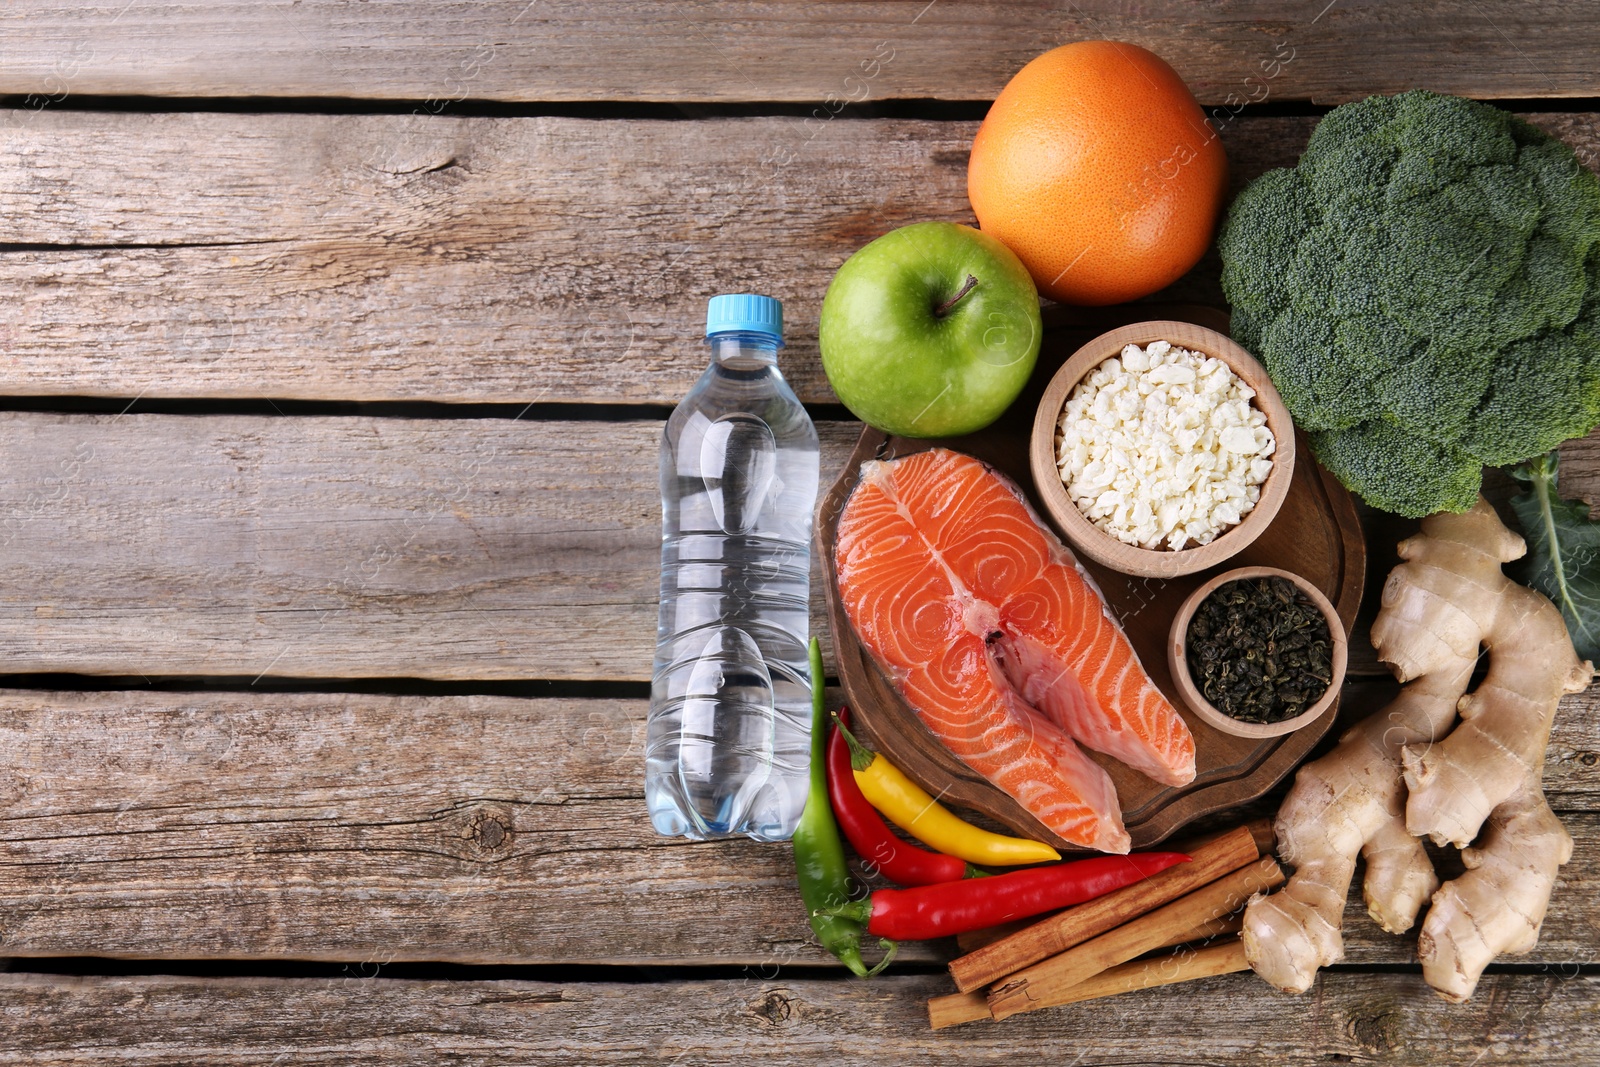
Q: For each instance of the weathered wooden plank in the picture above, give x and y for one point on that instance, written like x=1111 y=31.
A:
x=347 y=547
x=56 y=1021
x=481 y=548
x=471 y=829
x=373 y=257
x=364 y=828
x=438 y=53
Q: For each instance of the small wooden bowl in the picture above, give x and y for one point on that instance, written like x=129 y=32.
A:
x=1178 y=663
x=1094 y=542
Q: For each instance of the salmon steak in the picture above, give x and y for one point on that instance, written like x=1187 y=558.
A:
x=1000 y=642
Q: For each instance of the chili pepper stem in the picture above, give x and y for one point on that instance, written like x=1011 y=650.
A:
x=861 y=756
x=850 y=956
x=973 y=872
x=856 y=911
x=889 y=950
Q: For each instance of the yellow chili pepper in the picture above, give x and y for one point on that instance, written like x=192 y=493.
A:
x=907 y=805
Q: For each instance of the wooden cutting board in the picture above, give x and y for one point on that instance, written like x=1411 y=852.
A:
x=1316 y=534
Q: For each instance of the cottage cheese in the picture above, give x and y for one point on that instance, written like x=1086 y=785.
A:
x=1161 y=447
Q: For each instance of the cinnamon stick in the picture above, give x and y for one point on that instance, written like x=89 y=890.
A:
x=1266 y=837
x=956 y=1008
x=1044 y=984
x=1225 y=957
x=1208 y=861
x=1208 y=930
x=973 y=940
x=953 y=1009
x=1265 y=833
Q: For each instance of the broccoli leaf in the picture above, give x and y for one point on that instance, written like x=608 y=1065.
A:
x=1563 y=560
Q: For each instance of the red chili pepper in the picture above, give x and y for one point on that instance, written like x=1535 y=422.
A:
x=958 y=907
x=870 y=835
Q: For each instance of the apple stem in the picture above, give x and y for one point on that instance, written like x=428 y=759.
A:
x=940 y=311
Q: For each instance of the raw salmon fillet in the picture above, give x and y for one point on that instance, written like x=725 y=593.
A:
x=1000 y=643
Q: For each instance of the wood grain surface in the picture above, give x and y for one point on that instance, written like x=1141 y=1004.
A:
x=436 y=54
x=334 y=547
x=380 y=257
x=364 y=829
x=527 y=203
x=54 y=1021
x=360 y=547
x=370 y=828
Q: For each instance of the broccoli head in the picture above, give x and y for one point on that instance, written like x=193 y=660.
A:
x=1424 y=289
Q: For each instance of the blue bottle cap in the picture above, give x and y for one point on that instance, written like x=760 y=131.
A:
x=745 y=313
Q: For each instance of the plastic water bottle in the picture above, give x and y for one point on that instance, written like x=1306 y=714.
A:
x=728 y=745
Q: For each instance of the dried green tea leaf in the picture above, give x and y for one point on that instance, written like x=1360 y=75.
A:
x=1259 y=651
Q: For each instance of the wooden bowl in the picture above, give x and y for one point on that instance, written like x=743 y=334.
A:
x=1094 y=542
x=1178 y=663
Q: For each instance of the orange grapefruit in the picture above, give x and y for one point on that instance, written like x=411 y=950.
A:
x=1098 y=169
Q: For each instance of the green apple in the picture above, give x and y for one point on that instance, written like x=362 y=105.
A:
x=930 y=331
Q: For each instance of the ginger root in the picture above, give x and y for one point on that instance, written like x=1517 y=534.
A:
x=1403 y=773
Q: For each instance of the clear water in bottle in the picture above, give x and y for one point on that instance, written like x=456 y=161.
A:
x=728 y=744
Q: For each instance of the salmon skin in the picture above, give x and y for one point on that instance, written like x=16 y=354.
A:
x=1000 y=642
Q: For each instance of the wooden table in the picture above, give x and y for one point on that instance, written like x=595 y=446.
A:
x=335 y=347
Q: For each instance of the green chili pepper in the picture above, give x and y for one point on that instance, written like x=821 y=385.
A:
x=819 y=854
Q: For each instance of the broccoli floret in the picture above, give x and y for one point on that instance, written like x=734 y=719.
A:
x=1426 y=279
x=1542 y=398
x=1392 y=469
x=1269 y=218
